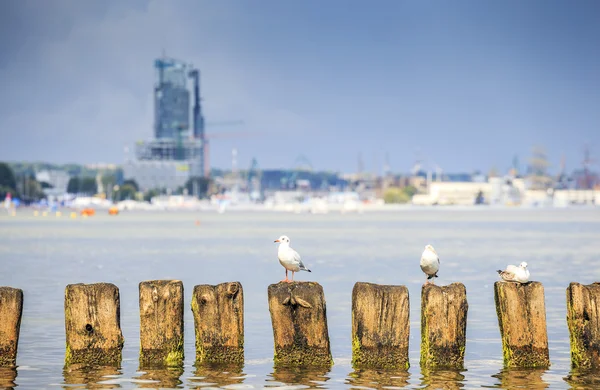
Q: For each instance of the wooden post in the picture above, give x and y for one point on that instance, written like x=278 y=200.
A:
x=443 y=325
x=380 y=326
x=161 y=323
x=92 y=324
x=219 y=323
x=299 y=320
x=583 y=319
x=522 y=318
x=11 y=310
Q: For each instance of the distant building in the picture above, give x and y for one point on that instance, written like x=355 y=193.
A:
x=171 y=99
x=59 y=180
x=176 y=153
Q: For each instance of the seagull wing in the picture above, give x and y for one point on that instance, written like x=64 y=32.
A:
x=298 y=259
x=508 y=276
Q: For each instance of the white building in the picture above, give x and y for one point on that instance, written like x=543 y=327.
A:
x=59 y=180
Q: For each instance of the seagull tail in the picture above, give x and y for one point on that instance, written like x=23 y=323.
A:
x=500 y=271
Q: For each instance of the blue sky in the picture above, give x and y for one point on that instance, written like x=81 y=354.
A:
x=463 y=85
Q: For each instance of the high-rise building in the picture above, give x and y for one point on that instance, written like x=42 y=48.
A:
x=177 y=152
x=171 y=99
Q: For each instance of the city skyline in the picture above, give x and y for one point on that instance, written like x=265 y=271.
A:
x=327 y=81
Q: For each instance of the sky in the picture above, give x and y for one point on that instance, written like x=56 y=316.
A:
x=460 y=85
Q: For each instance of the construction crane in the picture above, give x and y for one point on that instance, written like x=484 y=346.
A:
x=207 y=137
x=199 y=132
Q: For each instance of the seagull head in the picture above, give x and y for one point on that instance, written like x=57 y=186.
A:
x=429 y=247
x=283 y=240
x=523 y=265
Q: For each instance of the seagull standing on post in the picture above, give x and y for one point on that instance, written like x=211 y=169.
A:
x=430 y=263
x=289 y=258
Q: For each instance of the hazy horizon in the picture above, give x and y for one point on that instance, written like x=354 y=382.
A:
x=463 y=85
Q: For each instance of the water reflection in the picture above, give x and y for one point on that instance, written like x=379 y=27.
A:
x=376 y=379
x=584 y=379
x=303 y=377
x=442 y=379
x=216 y=375
x=7 y=377
x=520 y=378
x=78 y=376
x=167 y=377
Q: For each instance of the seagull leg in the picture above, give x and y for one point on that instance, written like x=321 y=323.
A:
x=286 y=276
x=292 y=276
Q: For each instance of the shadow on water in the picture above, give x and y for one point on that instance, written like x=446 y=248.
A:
x=168 y=377
x=216 y=375
x=442 y=379
x=7 y=377
x=376 y=379
x=303 y=377
x=86 y=377
x=584 y=379
x=520 y=378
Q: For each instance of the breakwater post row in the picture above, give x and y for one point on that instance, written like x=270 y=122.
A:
x=380 y=324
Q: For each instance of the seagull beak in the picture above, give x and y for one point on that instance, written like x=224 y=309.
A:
x=276 y=241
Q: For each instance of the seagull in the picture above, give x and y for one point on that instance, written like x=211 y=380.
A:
x=512 y=273
x=430 y=263
x=289 y=258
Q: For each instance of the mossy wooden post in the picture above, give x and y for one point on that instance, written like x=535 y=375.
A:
x=11 y=309
x=380 y=326
x=219 y=323
x=583 y=319
x=299 y=320
x=522 y=319
x=92 y=325
x=161 y=323
x=443 y=325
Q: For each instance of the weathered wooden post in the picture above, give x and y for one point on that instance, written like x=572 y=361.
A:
x=161 y=323
x=11 y=310
x=583 y=319
x=299 y=320
x=443 y=325
x=522 y=319
x=92 y=324
x=380 y=326
x=219 y=323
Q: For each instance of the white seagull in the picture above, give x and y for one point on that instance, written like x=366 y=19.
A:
x=512 y=273
x=289 y=258
x=430 y=263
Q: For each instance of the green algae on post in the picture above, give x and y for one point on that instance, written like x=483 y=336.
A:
x=380 y=326
x=582 y=319
x=92 y=325
x=219 y=323
x=522 y=320
x=299 y=319
x=11 y=310
x=443 y=325
x=161 y=323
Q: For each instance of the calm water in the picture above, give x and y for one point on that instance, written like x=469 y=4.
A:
x=43 y=255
